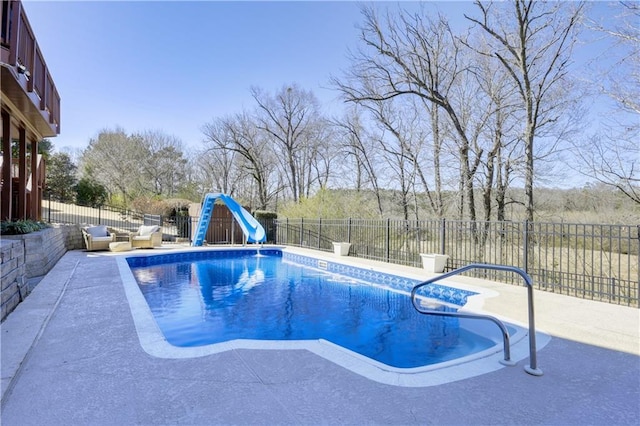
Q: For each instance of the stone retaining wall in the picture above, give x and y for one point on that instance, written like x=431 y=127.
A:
x=12 y=271
x=26 y=257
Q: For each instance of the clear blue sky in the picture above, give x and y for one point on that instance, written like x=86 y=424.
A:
x=174 y=66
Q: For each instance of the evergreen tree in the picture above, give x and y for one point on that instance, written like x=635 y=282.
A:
x=90 y=193
x=61 y=178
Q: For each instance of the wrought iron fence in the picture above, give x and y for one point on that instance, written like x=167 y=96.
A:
x=113 y=217
x=123 y=221
x=598 y=262
x=118 y=219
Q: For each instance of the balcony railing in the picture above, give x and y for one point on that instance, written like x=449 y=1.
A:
x=21 y=53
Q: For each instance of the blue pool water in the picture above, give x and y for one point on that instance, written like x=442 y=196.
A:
x=240 y=295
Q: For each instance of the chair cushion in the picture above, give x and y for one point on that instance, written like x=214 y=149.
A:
x=98 y=239
x=98 y=231
x=146 y=230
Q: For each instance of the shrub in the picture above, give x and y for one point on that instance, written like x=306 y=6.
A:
x=176 y=207
x=20 y=227
x=263 y=214
x=148 y=205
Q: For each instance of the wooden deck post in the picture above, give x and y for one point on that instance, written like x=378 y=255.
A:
x=22 y=174
x=35 y=190
x=5 y=210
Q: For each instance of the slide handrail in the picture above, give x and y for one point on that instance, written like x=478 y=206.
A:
x=532 y=367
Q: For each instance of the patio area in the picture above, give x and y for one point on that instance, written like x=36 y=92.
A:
x=71 y=355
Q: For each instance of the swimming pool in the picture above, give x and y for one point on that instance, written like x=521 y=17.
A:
x=245 y=295
x=252 y=277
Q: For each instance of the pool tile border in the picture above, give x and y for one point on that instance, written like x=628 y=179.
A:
x=451 y=295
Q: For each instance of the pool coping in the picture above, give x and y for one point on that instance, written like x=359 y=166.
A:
x=154 y=343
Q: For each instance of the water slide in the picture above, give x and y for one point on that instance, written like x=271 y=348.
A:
x=253 y=231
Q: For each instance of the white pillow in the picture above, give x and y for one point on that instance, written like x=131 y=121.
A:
x=98 y=231
x=146 y=230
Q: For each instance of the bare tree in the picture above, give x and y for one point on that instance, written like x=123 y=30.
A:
x=163 y=168
x=217 y=161
x=620 y=79
x=357 y=147
x=259 y=158
x=317 y=156
x=240 y=149
x=500 y=133
x=613 y=159
x=289 y=118
x=394 y=141
x=416 y=56
x=112 y=159
x=148 y=163
x=612 y=156
x=533 y=41
x=437 y=136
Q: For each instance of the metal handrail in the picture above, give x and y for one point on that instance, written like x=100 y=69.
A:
x=505 y=333
x=532 y=367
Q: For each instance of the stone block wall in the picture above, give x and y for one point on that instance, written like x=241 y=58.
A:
x=25 y=257
x=12 y=272
x=72 y=237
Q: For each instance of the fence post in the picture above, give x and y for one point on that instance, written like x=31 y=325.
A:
x=100 y=215
x=349 y=230
x=638 y=280
x=233 y=233
x=301 y=231
x=49 y=212
x=613 y=290
x=443 y=234
x=319 y=231
x=387 y=240
x=525 y=253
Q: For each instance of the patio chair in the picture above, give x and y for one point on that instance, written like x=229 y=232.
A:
x=98 y=237
x=146 y=237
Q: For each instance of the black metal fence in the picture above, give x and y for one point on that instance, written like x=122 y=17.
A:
x=598 y=262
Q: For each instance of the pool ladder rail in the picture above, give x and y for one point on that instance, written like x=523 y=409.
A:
x=532 y=368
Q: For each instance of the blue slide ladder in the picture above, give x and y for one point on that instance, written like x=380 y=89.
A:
x=205 y=217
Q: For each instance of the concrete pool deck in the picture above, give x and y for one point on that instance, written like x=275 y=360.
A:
x=71 y=355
